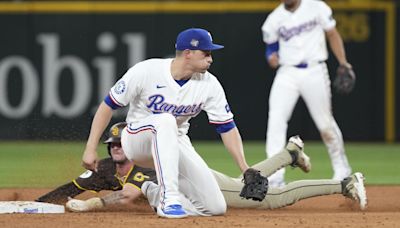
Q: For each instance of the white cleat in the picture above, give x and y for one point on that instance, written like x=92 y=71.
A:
x=354 y=189
x=295 y=147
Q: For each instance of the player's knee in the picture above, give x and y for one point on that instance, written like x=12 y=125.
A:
x=219 y=208
x=329 y=134
x=326 y=135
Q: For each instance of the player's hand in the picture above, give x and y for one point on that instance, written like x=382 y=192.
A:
x=273 y=60
x=90 y=159
x=76 y=205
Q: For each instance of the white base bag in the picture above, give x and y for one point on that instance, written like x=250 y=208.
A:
x=29 y=207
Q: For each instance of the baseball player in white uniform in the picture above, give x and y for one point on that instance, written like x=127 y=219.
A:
x=295 y=36
x=163 y=95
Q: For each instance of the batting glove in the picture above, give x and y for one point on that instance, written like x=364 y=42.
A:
x=76 y=205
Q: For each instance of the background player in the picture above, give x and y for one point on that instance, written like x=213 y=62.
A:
x=115 y=173
x=293 y=154
x=295 y=36
x=163 y=94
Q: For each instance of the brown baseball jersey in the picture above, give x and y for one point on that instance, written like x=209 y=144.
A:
x=106 y=177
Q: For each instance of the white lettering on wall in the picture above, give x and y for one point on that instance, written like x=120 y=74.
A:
x=54 y=63
x=29 y=88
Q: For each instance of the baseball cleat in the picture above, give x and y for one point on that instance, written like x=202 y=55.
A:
x=353 y=188
x=295 y=146
x=172 y=211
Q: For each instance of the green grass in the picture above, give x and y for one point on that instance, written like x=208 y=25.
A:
x=49 y=164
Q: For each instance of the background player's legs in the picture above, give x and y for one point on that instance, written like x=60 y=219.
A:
x=200 y=193
x=317 y=96
x=156 y=139
x=282 y=100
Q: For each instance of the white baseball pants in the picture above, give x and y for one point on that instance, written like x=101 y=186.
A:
x=183 y=176
x=313 y=85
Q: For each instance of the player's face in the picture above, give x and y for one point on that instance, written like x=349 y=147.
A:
x=117 y=153
x=200 y=60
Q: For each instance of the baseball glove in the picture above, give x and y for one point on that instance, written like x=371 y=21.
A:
x=345 y=80
x=255 y=186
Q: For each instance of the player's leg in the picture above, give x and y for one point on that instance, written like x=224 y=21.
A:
x=151 y=191
x=317 y=96
x=200 y=194
x=351 y=187
x=155 y=139
x=298 y=190
x=197 y=183
x=282 y=100
x=293 y=154
x=230 y=188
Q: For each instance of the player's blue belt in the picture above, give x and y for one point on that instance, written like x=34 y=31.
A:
x=305 y=65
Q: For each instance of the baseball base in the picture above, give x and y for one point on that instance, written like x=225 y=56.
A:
x=29 y=207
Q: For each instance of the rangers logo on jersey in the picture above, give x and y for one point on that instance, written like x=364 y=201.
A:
x=288 y=33
x=157 y=105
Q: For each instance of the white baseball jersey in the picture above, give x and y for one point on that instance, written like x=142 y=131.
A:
x=149 y=88
x=300 y=33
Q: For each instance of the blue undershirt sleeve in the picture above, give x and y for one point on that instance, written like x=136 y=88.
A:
x=111 y=103
x=271 y=48
x=222 y=128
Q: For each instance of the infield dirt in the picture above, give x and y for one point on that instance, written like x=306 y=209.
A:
x=324 y=211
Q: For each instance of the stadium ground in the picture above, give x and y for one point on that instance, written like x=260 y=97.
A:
x=325 y=211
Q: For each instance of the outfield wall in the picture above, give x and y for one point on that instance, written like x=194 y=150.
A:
x=58 y=60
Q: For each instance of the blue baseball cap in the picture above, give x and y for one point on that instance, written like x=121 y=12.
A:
x=196 y=39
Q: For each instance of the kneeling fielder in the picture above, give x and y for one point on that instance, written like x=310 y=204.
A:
x=127 y=191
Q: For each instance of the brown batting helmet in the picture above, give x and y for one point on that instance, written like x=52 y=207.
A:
x=114 y=134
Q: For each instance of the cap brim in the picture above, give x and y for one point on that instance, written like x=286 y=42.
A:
x=112 y=140
x=216 y=47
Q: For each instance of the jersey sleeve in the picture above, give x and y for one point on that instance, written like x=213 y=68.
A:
x=216 y=106
x=325 y=16
x=97 y=181
x=126 y=88
x=270 y=31
x=138 y=175
x=60 y=195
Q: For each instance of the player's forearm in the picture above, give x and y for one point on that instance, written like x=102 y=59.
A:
x=233 y=143
x=114 y=198
x=100 y=121
x=337 y=46
x=125 y=196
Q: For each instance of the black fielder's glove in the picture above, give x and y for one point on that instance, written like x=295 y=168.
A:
x=345 y=80
x=255 y=185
